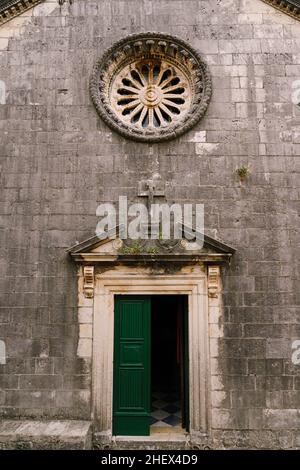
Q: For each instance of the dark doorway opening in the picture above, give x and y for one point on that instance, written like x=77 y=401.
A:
x=169 y=362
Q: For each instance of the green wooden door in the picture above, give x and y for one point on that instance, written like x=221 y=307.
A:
x=131 y=390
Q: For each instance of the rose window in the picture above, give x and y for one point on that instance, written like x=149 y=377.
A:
x=151 y=94
x=151 y=87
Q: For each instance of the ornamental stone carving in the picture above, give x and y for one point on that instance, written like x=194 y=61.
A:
x=151 y=87
x=290 y=7
x=213 y=281
x=11 y=8
x=88 y=282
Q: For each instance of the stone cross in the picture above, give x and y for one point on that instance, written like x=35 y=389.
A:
x=150 y=189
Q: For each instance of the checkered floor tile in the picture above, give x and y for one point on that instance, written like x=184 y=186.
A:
x=166 y=411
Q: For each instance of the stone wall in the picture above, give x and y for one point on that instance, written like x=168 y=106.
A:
x=59 y=161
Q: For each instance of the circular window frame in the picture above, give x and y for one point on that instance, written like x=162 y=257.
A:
x=152 y=46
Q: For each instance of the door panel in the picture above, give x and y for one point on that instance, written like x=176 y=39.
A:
x=131 y=400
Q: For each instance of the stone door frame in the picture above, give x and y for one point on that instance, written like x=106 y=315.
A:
x=199 y=286
x=104 y=270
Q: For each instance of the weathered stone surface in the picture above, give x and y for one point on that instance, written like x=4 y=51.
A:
x=59 y=161
x=39 y=435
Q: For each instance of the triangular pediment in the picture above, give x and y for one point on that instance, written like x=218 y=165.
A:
x=113 y=248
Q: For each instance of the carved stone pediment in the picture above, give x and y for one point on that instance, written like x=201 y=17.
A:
x=115 y=250
x=10 y=9
x=290 y=7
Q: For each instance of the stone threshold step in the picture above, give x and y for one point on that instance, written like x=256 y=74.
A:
x=52 y=435
x=157 y=437
x=156 y=441
x=148 y=445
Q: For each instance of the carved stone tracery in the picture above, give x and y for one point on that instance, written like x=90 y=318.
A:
x=150 y=94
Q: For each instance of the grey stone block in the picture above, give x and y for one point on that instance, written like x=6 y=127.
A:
x=43 y=435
